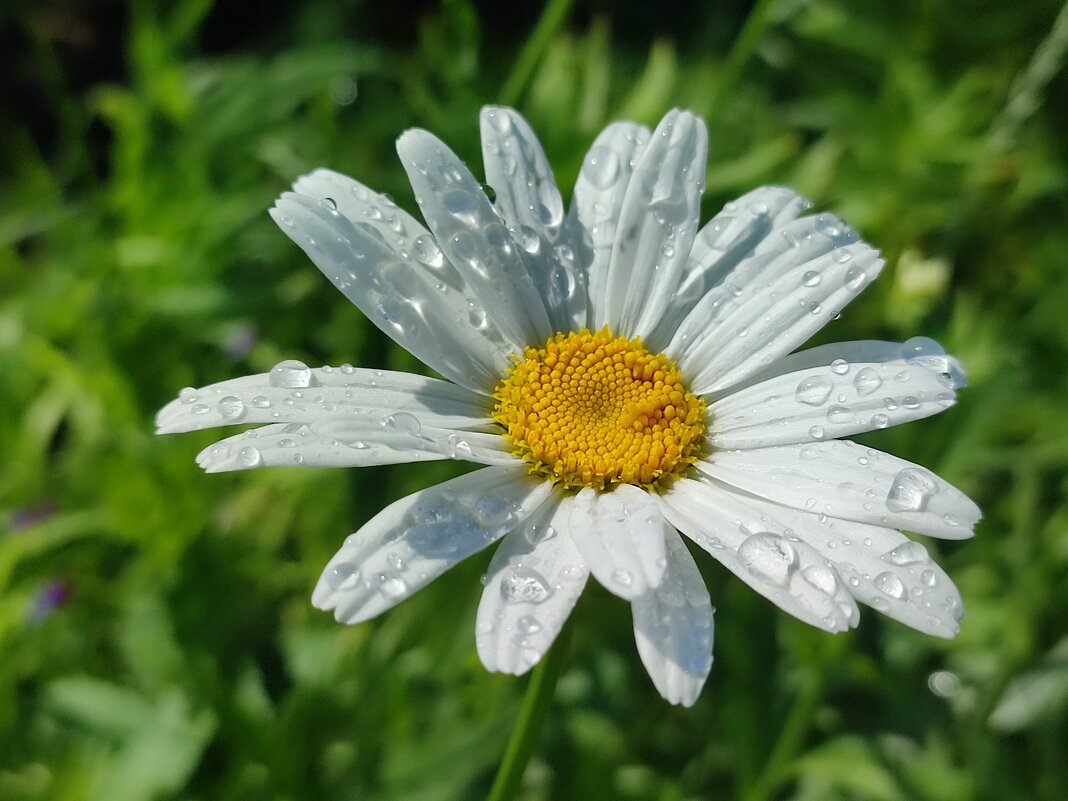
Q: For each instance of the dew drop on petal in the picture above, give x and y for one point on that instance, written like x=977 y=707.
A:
x=839 y=367
x=866 y=381
x=231 y=408
x=880 y=420
x=601 y=167
x=292 y=374
x=911 y=490
x=890 y=584
x=822 y=578
x=392 y=585
x=768 y=556
x=342 y=576
x=811 y=278
x=188 y=395
x=249 y=457
x=525 y=585
x=907 y=553
x=813 y=391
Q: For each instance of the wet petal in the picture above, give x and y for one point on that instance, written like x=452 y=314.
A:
x=761 y=552
x=846 y=480
x=296 y=393
x=533 y=583
x=594 y=215
x=619 y=534
x=527 y=198
x=657 y=224
x=673 y=626
x=819 y=403
x=421 y=311
x=474 y=238
x=414 y=540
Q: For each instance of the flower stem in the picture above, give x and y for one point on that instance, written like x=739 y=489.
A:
x=531 y=716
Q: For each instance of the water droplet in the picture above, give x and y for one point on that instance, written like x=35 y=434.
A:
x=528 y=624
x=816 y=432
x=499 y=120
x=347 y=369
x=910 y=402
x=292 y=373
x=188 y=395
x=841 y=255
x=811 y=278
x=403 y=423
x=929 y=577
x=880 y=420
x=830 y=226
x=488 y=510
x=426 y=251
x=622 y=577
x=200 y=408
x=525 y=585
x=768 y=556
x=907 y=553
x=231 y=408
x=330 y=203
x=456 y=447
x=392 y=585
x=814 y=390
x=249 y=457
x=260 y=402
x=839 y=367
x=840 y=415
x=822 y=578
x=489 y=192
x=911 y=490
x=342 y=576
x=527 y=238
x=867 y=381
x=601 y=167
x=890 y=584
x=855 y=278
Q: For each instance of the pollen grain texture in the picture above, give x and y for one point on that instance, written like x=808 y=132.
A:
x=594 y=410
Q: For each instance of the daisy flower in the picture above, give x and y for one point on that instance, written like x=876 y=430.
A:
x=626 y=377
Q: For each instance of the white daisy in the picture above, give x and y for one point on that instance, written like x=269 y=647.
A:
x=625 y=376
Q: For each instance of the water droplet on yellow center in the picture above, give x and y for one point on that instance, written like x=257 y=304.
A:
x=593 y=410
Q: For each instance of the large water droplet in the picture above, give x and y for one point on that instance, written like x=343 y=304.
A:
x=866 y=381
x=768 y=556
x=907 y=553
x=839 y=367
x=188 y=395
x=911 y=490
x=890 y=584
x=814 y=390
x=342 y=576
x=524 y=585
x=433 y=540
x=249 y=457
x=231 y=408
x=811 y=278
x=292 y=373
x=822 y=578
x=392 y=585
x=601 y=167
x=880 y=420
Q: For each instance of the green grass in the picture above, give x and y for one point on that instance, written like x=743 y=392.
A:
x=136 y=257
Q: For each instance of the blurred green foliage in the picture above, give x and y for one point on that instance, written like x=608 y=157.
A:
x=156 y=637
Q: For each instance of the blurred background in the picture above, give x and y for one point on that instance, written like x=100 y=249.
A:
x=156 y=635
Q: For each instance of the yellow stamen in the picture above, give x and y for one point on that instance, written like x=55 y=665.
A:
x=592 y=410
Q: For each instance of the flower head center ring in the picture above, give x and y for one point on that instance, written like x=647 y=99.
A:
x=594 y=409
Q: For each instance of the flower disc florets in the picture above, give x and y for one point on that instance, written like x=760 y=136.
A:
x=593 y=410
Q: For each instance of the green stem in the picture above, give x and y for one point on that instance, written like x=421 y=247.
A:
x=744 y=46
x=551 y=19
x=531 y=716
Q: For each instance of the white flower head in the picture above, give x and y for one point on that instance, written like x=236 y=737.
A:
x=625 y=376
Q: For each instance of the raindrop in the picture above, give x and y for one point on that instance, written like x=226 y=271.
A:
x=524 y=585
x=814 y=390
x=622 y=577
x=907 y=553
x=910 y=402
x=187 y=395
x=528 y=624
x=342 y=576
x=822 y=578
x=839 y=367
x=392 y=585
x=260 y=402
x=816 y=432
x=880 y=420
x=929 y=577
x=890 y=584
x=292 y=373
x=528 y=239
x=840 y=415
x=811 y=278
x=768 y=556
x=867 y=381
x=489 y=192
x=249 y=457
x=841 y=255
x=403 y=423
x=855 y=278
x=231 y=408
x=426 y=251
x=200 y=408
x=601 y=168
x=911 y=490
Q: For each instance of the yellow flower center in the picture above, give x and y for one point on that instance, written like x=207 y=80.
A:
x=593 y=409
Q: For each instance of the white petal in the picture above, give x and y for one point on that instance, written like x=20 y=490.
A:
x=414 y=540
x=828 y=402
x=527 y=198
x=846 y=480
x=657 y=224
x=533 y=583
x=599 y=191
x=921 y=351
x=473 y=237
x=721 y=244
x=673 y=626
x=619 y=535
x=323 y=393
x=739 y=329
x=397 y=439
x=759 y=551
x=880 y=566
x=399 y=294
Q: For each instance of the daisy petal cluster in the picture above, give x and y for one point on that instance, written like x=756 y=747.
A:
x=627 y=377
